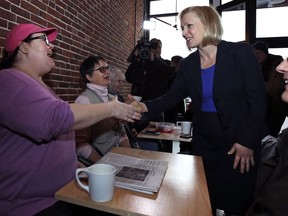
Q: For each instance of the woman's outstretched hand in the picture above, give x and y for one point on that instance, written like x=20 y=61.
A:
x=124 y=111
x=136 y=103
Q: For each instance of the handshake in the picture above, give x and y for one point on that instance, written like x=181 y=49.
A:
x=135 y=101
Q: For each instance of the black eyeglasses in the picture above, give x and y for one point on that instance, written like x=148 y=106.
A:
x=102 y=69
x=43 y=37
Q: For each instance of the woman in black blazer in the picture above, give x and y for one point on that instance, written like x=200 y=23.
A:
x=226 y=86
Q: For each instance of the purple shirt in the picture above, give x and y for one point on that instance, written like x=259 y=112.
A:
x=37 y=147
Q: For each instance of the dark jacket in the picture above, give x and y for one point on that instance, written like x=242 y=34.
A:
x=149 y=79
x=271 y=193
x=274 y=84
x=239 y=93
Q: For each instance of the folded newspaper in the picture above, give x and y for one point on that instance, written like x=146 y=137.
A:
x=143 y=175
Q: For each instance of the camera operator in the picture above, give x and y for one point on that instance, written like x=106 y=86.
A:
x=149 y=75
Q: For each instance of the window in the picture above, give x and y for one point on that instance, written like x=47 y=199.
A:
x=265 y=21
x=234 y=31
x=269 y=25
x=269 y=20
x=168 y=26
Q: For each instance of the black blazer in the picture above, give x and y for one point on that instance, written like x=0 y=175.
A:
x=238 y=93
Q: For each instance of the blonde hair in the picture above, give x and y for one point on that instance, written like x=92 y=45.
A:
x=211 y=20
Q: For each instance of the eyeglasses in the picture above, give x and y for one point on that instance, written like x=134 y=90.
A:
x=43 y=37
x=103 y=69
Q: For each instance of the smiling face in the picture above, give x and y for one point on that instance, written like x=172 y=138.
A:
x=283 y=68
x=201 y=26
x=37 y=51
x=99 y=78
x=192 y=30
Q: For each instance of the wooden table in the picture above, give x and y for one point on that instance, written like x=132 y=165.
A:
x=183 y=191
x=174 y=136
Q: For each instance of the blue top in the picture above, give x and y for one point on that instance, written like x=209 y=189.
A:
x=207 y=75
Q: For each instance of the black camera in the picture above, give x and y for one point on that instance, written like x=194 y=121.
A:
x=144 y=47
x=144 y=50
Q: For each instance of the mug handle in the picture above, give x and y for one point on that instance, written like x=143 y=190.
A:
x=85 y=187
x=178 y=123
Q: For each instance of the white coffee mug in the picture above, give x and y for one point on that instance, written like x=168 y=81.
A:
x=185 y=127
x=101 y=181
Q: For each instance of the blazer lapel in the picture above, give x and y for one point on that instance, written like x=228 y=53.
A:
x=195 y=73
x=220 y=66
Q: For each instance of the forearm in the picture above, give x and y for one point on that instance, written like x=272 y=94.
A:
x=86 y=115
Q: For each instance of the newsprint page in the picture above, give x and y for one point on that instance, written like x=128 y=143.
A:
x=135 y=173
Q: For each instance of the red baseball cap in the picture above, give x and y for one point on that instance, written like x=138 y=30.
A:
x=21 y=31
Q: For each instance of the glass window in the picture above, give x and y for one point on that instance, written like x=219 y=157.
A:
x=233 y=31
x=168 y=28
x=163 y=6
x=279 y=51
x=270 y=22
x=172 y=6
x=172 y=41
x=225 y=1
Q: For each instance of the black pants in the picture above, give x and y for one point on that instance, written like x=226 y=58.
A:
x=229 y=190
x=66 y=209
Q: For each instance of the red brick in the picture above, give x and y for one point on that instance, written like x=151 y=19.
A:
x=85 y=28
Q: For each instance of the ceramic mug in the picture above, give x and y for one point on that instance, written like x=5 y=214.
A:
x=101 y=181
x=186 y=127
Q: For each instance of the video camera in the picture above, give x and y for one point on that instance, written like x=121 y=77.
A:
x=144 y=50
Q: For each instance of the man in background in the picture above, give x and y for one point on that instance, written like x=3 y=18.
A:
x=149 y=75
x=117 y=80
x=274 y=85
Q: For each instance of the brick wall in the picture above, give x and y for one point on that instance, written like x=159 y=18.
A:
x=86 y=27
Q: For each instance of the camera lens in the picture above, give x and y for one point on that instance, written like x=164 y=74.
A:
x=144 y=53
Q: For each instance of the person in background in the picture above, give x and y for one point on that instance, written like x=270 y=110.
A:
x=37 y=145
x=274 y=83
x=175 y=61
x=149 y=77
x=271 y=196
x=172 y=115
x=117 y=79
x=225 y=84
x=95 y=141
